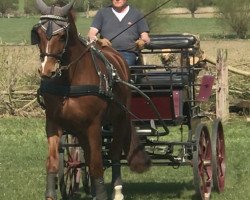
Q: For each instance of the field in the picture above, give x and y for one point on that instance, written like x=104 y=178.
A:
x=23 y=151
x=206 y=27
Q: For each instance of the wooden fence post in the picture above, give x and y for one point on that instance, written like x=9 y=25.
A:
x=222 y=94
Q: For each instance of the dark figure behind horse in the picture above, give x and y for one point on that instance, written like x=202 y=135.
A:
x=81 y=94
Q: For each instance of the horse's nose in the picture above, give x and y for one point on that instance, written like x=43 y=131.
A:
x=45 y=76
x=46 y=73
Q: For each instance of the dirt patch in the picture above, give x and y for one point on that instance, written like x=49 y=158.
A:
x=238 y=51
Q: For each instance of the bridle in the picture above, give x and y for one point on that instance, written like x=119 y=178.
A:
x=52 y=25
x=44 y=19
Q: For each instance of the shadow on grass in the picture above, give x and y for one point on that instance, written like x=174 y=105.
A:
x=168 y=190
x=159 y=190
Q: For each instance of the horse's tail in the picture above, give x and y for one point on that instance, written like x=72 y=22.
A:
x=138 y=160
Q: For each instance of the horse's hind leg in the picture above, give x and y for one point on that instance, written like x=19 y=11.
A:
x=120 y=129
x=95 y=161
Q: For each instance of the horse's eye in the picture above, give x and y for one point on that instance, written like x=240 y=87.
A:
x=41 y=57
x=63 y=38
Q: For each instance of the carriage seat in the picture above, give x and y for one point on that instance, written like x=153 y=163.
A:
x=171 y=41
x=163 y=79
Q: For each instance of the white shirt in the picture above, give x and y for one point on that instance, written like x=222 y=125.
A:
x=120 y=15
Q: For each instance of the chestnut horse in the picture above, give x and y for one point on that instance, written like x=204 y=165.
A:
x=81 y=93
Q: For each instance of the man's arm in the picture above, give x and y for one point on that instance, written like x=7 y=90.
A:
x=92 y=34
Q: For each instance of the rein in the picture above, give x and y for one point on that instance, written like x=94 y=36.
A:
x=77 y=59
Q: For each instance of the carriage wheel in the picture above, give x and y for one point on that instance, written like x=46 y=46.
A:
x=218 y=156
x=86 y=179
x=202 y=168
x=69 y=167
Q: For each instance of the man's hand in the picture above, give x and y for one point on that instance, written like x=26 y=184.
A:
x=140 y=44
x=104 y=42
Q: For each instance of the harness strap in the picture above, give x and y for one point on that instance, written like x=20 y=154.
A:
x=70 y=91
x=76 y=60
x=111 y=71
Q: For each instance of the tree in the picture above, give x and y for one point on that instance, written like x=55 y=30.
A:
x=207 y=2
x=6 y=5
x=30 y=5
x=236 y=14
x=192 y=5
x=146 y=7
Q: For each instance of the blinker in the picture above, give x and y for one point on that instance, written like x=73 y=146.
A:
x=34 y=36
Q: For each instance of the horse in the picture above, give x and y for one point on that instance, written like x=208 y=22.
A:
x=81 y=91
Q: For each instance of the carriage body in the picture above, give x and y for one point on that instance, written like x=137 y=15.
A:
x=173 y=91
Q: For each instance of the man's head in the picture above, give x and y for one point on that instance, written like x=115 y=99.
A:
x=119 y=5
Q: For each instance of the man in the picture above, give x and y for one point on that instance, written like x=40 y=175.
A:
x=112 y=20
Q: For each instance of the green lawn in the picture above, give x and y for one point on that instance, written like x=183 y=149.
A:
x=17 y=30
x=23 y=152
x=205 y=27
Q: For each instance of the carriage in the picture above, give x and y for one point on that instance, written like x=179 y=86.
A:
x=164 y=96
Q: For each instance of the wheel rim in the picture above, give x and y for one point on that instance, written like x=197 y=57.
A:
x=218 y=156
x=69 y=168
x=202 y=162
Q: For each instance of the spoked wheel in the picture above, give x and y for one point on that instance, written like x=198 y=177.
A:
x=218 y=156
x=86 y=180
x=202 y=168
x=69 y=167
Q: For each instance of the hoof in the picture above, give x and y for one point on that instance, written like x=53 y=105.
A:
x=117 y=194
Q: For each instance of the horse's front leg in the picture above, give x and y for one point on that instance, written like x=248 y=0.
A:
x=52 y=165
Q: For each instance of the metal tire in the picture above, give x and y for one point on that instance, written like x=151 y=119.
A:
x=202 y=168
x=218 y=156
x=69 y=162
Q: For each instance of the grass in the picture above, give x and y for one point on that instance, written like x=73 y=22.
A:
x=205 y=27
x=23 y=151
x=17 y=30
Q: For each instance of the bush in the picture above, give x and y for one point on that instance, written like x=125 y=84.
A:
x=236 y=14
x=146 y=7
x=6 y=5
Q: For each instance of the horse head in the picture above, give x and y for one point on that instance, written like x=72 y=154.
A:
x=51 y=35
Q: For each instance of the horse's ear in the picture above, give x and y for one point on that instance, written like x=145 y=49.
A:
x=42 y=7
x=65 y=9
